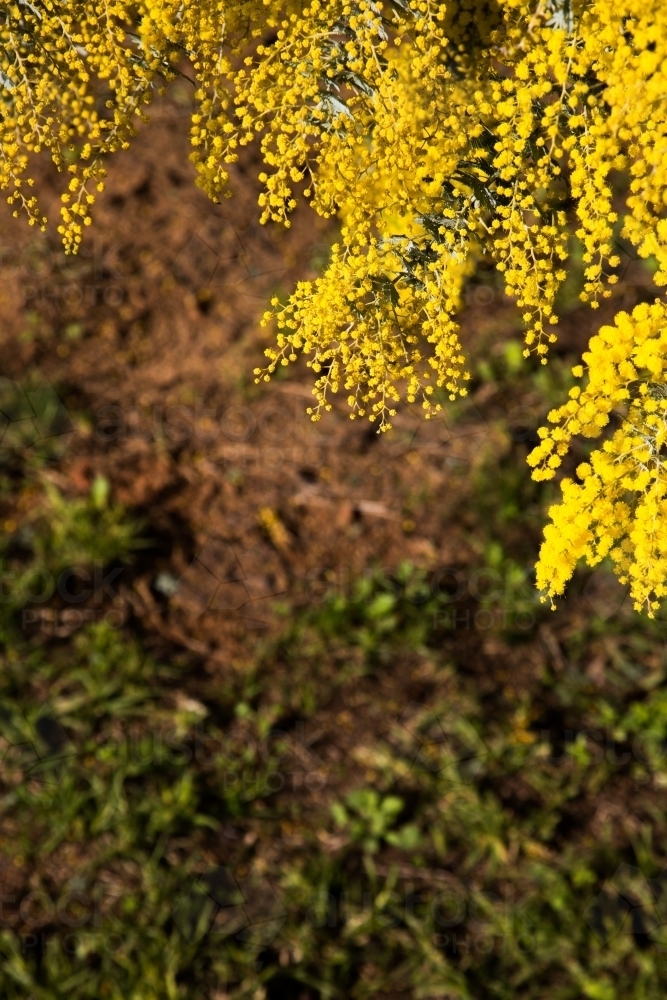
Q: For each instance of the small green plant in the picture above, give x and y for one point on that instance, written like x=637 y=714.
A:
x=370 y=818
x=84 y=530
x=61 y=551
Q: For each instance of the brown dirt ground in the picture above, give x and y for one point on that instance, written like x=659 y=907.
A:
x=154 y=332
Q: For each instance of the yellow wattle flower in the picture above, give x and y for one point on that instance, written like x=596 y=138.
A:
x=439 y=133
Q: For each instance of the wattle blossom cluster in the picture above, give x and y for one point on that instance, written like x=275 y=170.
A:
x=619 y=508
x=440 y=134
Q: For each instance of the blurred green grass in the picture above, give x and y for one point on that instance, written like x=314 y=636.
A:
x=361 y=809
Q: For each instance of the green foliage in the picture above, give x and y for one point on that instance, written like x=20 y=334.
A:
x=61 y=543
x=370 y=819
x=84 y=530
x=458 y=844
